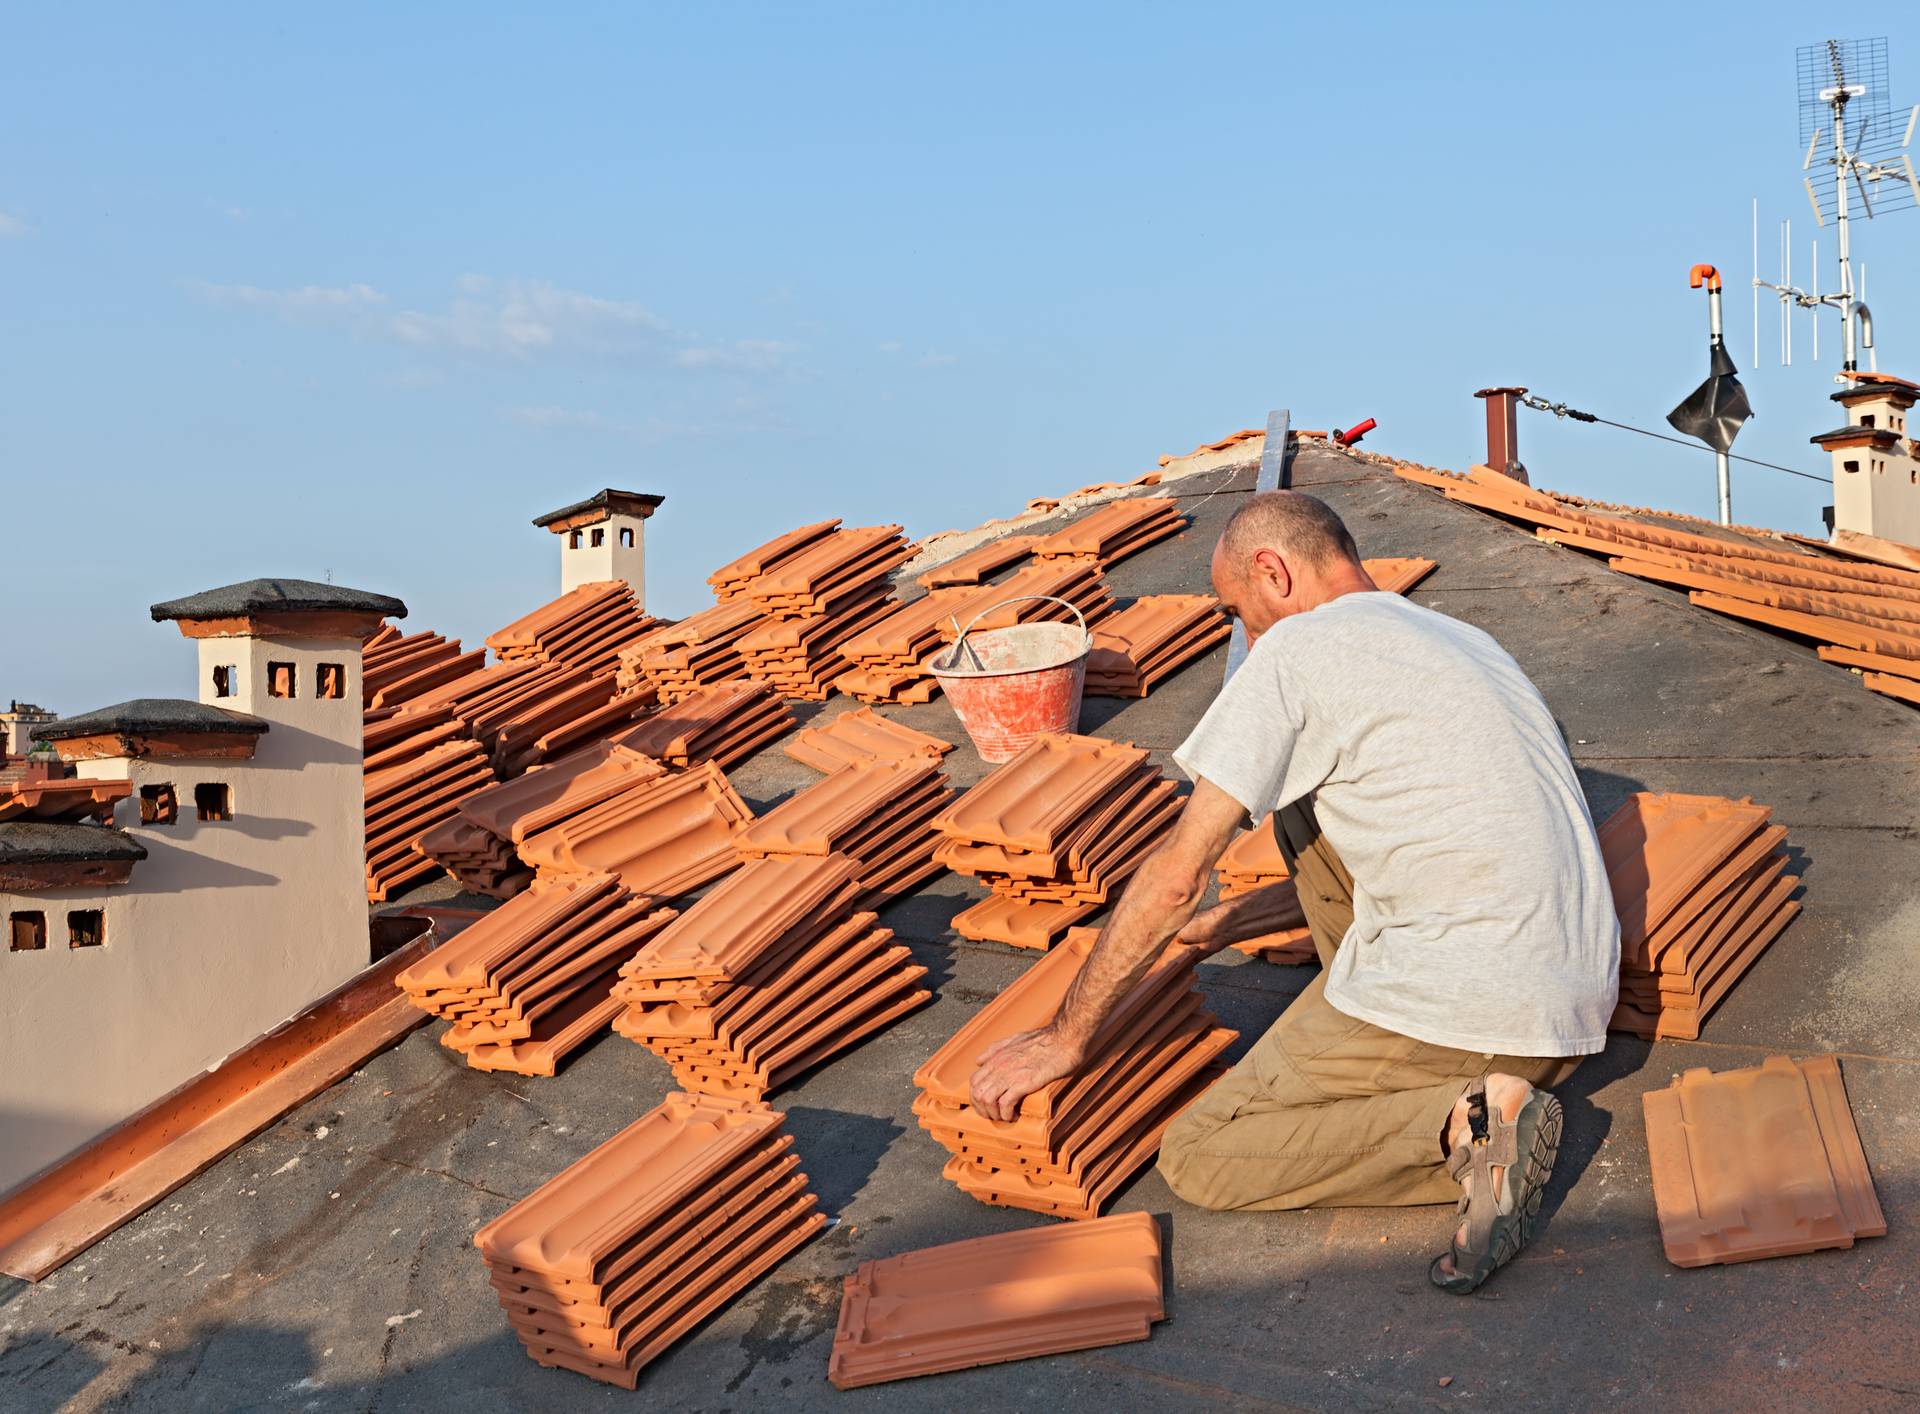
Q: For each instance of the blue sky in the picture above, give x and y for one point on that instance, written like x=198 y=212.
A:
x=358 y=290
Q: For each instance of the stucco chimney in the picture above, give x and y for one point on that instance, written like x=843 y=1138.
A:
x=1876 y=463
x=602 y=538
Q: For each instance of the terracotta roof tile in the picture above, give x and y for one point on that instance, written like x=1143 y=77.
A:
x=1152 y=637
x=1762 y=1162
x=725 y=724
x=862 y=735
x=733 y=577
x=1006 y=1297
x=1114 y=531
x=661 y=837
x=977 y=564
x=68 y=799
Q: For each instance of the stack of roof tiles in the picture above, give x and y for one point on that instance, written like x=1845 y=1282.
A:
x=37 y=794
x=1052 y=833
x=395 y=667
x=1398 y=576
x=1104 y=537
x=1761 y=1162
x=1701 y=887
x=731 y=580
x=769 y=974
x=702 y=649
x=584 y=628
x=1864 y=616
x=862 y=735
x=876 y=813
x=831 y=590
x=1253 y=861
x=414 y=779
x=1074 y=1141
x=725 y=724
x=660 y=836
x=1010 y=1296
x=530 y=982
x=1151 y=638
x=479 y=846
x=979 y=563
x=611 y=1261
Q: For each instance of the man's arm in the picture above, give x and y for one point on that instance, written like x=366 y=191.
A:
x=1158 y=902
x=1271 y=908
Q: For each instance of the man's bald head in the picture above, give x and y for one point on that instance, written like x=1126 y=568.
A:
x=1283 y=553
x=1303 y=528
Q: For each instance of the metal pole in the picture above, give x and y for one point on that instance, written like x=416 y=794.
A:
x=1849 y=360
x=1719 y=458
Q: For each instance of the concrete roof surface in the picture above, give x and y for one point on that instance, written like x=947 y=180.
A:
x=151 y=715
x=59 y=843
x=328 y=1265
x=268 y=596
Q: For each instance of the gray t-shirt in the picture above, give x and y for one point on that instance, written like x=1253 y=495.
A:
x=1483 y=919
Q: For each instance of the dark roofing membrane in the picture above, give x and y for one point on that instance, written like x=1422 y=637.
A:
x=635 y=502
x=147 y=716
x=36 y=841
x=268 y=596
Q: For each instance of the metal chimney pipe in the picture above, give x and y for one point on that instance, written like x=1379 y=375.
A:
x=1503 y=432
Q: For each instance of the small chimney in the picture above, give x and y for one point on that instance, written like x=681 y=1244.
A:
x=1876 y=472
x=603 y=538
x=1503 y=432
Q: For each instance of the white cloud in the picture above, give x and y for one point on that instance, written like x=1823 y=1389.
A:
x=514 y=319
x=568 y=419
x=12 y=226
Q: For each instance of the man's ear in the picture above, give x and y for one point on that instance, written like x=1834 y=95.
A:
x=1274 y=569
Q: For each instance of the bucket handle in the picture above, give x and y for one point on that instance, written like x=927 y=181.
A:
x=960 y=642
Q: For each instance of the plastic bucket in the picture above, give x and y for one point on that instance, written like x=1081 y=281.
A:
x=1010 y=685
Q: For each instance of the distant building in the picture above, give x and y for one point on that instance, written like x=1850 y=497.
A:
x=604 y=537
x=1876 y=461
x=226 y=892
x=16 y=727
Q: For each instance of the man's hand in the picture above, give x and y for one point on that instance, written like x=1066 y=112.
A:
x=1208 y=932
x=1013 y=1068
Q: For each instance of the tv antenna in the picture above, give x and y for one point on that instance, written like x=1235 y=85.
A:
x=1856 y=153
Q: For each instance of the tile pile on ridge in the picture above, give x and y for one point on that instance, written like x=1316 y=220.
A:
x=530 y=982
x=766 y=976
x=1858 y=614
x=1010 y=1296
x=725 y=724
x=1701 y=887
x=584 y=628
x=69 y=799
x=703 y=649
x=1253 y=861
x=1761 y=1162
x=659 y=836
x=603 y=1267
x=838 y=565
x=877 y=813
x=1052 y=832
x=1104 y=537
x=979 y=563
x=862 y=735
x=395 y=667
x=730 y=581
x=1076 y=1140
x=410 y=788
x=479 y=846
x=1153 y=637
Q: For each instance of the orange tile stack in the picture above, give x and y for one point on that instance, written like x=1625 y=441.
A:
x=1074 y=1141
x=768 y=975
x=584 y=628
x=611 y=1261
x=411 y=786
x=479 y=846
x=1052 y=833
x=876 y=813
x=1010 y=1296
x=395 y=667
x=1253 y=861
x=37 y=794
x=699 y=651
x=862 y=735
x=802 y=657
x=1398 y=576
x=724 y=724
x=1761 y=1162
x=1104 y=537
x=660 y=836
x=887 y=657
x=979 y=563
x=730 y=581
x=1151 y=638
x=1701 y=887
x=831 y=590
x=1025 y=598
x=530 y=982
x=1864 y=616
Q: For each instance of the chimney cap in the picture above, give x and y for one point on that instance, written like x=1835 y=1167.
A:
x=153 y=716
x=599 y=506
x=278 y=596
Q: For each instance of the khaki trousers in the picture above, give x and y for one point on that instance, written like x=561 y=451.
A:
x=1326 y=1111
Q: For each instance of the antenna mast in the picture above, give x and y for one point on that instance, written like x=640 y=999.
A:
x=1859 y=144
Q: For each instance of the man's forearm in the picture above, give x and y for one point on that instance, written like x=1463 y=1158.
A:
x=1156 y=905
